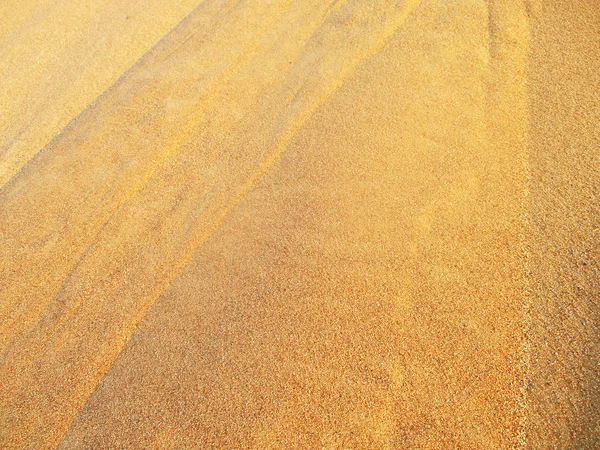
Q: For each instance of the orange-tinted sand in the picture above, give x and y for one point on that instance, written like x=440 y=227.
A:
x=349 y=224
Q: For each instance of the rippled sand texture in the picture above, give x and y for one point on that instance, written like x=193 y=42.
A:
x=300 y=224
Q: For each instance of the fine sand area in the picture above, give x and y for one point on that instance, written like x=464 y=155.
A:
x=300 y=224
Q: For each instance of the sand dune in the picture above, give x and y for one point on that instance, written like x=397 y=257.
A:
x=299 y=224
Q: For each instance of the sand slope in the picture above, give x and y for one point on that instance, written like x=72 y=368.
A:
x=309 y=224
x=57 y=57
x=565 y=239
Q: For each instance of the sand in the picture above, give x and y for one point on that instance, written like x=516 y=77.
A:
x=58 y=57
x=300 y=224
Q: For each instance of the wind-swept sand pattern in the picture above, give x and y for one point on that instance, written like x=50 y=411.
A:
x=564 y=146
x=303 y=224
x=59 y=56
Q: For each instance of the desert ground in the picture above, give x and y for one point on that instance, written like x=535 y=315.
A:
x=300 y=224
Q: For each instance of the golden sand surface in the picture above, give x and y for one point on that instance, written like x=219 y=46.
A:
x=58 y=56
x=300 y=224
